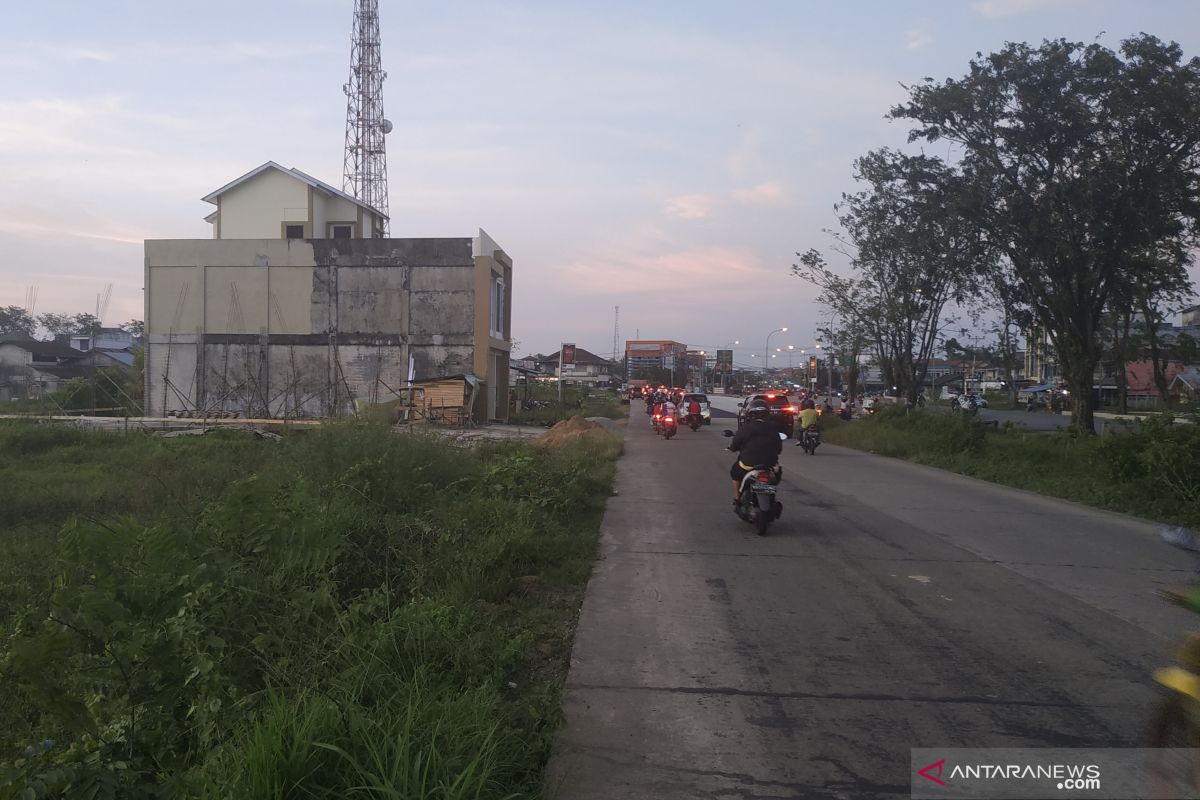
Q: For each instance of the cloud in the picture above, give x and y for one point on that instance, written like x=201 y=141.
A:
x=767 y=193
x=713 y=267
x=689 y=206
x=1010 y=8
x=918 y=38
x=81 y=54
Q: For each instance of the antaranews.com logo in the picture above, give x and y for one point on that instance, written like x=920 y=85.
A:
x=1063 y=776
x=1029 y=773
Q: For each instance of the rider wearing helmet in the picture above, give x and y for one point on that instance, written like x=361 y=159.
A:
x=808 y=418
x=756 y=442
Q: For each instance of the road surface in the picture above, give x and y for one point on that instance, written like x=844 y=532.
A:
x=894 y=606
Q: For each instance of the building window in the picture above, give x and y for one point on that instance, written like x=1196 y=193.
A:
x=293 y=231
x=496 y=316
x=341 y=230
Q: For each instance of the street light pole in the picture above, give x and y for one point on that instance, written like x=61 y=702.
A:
x=767 y=348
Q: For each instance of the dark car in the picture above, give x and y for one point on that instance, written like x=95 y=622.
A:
x=783 y=412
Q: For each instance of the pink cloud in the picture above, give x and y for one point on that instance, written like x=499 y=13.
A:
x=689 y=206
x=762 y=194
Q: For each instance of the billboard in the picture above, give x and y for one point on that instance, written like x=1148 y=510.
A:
x=724 y=361
x=568 y=354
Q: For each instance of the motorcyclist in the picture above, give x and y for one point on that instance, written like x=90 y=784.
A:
x=808 y=418
x=693 y=409
x=756 y=442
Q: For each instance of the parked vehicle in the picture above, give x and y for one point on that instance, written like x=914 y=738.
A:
x=783 y=413
x=756 y=503
x=965 y=405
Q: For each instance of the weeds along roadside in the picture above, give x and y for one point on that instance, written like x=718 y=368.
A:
x=1152 y=471
x=343 y=608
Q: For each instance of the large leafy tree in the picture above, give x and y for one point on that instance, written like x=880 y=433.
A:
x=1086 y=160
x=913 y=250
x=14 y=319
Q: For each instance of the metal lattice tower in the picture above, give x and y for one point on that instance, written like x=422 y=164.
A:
x=616 y=332
x=364 y=174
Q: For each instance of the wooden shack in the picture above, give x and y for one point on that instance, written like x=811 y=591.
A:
x=446 y=400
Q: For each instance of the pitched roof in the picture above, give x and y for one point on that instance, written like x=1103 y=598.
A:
x=40 y=348
x=62 y=371
x=581 y=357
x=295 y=173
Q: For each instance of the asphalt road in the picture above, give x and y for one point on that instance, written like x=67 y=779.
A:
x=893 y=606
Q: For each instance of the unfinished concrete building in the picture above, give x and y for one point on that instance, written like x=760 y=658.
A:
x=269 y=324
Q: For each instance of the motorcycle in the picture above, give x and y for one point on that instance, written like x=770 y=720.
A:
x=1177 y=721
x=669 y=425
x=694 y=421
x=756 y=502
x=810 y=440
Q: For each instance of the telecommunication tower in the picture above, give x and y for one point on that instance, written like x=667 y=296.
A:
x=364 y=173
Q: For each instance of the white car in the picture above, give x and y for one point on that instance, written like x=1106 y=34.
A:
x=702 y=399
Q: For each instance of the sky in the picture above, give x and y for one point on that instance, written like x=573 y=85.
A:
x=669 y=158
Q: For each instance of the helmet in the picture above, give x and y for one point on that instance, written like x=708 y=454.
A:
x=758 y=410
x=808 y=403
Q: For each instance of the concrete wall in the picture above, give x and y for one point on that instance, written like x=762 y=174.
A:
x=257 y=208
x=272 y=327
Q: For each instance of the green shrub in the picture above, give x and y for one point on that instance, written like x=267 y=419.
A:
x=338 y=614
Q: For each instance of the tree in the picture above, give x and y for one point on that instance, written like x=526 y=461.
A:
x=136 y=328
x=57 y=324
x=14 y=319
x=1085 y=159
x=86 y=324
x=912 y=250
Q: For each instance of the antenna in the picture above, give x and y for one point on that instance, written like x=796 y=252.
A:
x=364 y=172
x=31 y=297
x=102 y=303
x=616 y=331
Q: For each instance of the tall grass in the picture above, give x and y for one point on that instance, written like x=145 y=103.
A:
x=344 y=613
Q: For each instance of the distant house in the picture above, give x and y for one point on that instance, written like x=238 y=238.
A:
x=31 y=368
x=103 y=339
x=275 y=202
x=1185 y=385
x=586 y=368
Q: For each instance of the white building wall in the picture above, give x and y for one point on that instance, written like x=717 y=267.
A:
x=339 y=209
x=257 y=208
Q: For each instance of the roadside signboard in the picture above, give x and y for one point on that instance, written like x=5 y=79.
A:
x=724 y=360
x=568 y=354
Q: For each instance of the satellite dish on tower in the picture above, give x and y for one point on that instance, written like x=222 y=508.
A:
x=387 y=126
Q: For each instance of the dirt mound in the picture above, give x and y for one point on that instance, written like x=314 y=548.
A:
x=572 y=430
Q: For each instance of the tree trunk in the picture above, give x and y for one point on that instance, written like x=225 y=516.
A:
x=1150 y=321
x=1079 y=376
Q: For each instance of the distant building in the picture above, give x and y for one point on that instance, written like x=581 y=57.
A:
x=654 y=354
x=30 y=368
x=586 y=368
x=297 y=309
x=274 y=202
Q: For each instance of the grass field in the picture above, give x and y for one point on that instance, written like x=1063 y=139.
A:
x=345 y=613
